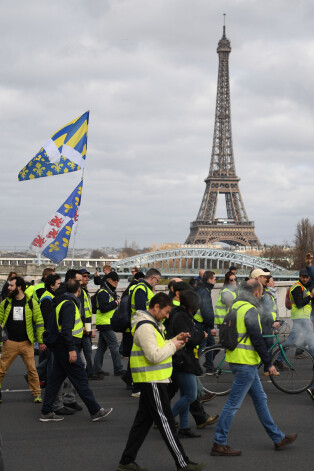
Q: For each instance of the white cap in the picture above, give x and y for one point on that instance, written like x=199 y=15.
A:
x=259 y=272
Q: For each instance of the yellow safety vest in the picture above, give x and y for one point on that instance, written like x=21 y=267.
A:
x=29 y=291
x=145 y=372
x=175 y=302
x=274 y=309
x=244 y=353
x=36 y=287
x=147 y=290
x=87 y=308
x=104 y=318
x=77 y=330
x=305 y=311
x=221 y=310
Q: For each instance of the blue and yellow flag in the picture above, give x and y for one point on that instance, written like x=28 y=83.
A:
x=64 y=152
x=54 y=239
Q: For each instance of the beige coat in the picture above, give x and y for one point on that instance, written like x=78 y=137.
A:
x=145 y=338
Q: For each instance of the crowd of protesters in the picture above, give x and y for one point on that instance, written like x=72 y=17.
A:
x=167 y=333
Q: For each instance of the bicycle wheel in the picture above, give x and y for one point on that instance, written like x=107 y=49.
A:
x=219 y=380
x=298 y=373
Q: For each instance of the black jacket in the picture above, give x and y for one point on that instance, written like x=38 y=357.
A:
x=67 y=319
x=184 y=360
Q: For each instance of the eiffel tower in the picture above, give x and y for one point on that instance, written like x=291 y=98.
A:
x=236 y=229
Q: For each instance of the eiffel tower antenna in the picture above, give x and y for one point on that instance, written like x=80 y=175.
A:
x=236 y=229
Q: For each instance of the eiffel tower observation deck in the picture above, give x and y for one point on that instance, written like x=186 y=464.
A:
x=236 y=229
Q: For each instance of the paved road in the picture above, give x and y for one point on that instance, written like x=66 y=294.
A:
x=79 y=444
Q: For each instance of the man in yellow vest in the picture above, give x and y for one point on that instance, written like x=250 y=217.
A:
x=302 y=329
x=151 y=367
x=67 y=361
x=140 y=299
x=243 y=361
x=40 y=287
x=226 y=298
x=107 y=303
x=18 y=314
x=268 y=309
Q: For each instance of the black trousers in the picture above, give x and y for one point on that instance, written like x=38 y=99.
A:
x=154 y=406
x=76 y=373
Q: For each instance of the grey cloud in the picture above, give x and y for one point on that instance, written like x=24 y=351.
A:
x=147 y=71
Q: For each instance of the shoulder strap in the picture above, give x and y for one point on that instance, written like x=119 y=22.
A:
x=148 y=322
x=6 y=303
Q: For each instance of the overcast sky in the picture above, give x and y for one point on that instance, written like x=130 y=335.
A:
x=147 y=71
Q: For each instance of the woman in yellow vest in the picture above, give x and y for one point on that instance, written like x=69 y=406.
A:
x=151 y=367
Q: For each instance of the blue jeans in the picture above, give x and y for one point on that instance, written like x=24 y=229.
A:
x=246 y=380
x=107 y=338
x=188 y=394
x=206 y=343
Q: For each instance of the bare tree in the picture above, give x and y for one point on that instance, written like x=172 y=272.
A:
x=279 y=256
x=304 y=242
x=98 y=254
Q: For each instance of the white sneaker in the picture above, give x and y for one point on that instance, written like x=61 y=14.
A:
x=136 y=394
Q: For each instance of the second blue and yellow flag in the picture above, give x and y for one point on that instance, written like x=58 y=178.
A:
x=64 y=152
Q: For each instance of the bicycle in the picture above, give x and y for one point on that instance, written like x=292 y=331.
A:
x=297 y=376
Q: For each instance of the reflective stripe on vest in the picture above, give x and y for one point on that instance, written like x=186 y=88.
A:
x=305 y=311
x=221 y=310
x=104 y=318
x=87 y=308
x=175 y=302
x=77 y=330
x=244 y=353
x=145 y=372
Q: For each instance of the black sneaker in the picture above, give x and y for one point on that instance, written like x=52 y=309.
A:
x=120 y=373
x=95 y=376
x=187 y=433
x=50 y=417
x=74 y=406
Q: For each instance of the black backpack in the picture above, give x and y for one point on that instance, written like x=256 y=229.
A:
x=93 y=300
x=228 y=333
x=121 y=319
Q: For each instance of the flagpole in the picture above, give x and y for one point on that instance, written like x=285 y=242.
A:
x=73 y=248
